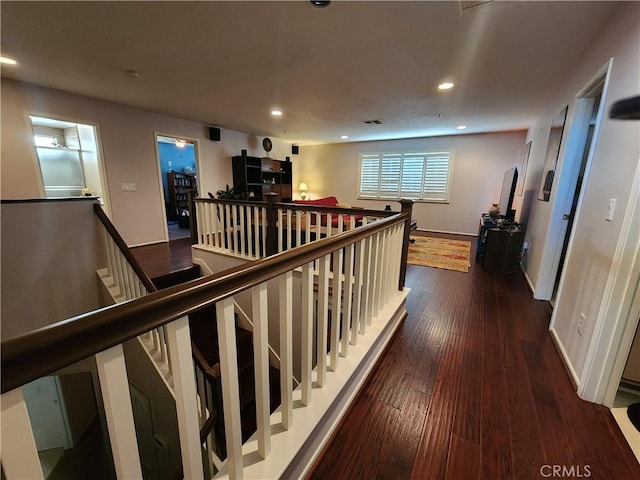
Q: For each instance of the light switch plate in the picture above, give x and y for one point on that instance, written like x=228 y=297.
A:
x=128 y=187
x=611 y=209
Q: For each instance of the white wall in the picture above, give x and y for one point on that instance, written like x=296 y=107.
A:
x=478 y=168
x=48 y=263
x=615 y=157
x=127 y=142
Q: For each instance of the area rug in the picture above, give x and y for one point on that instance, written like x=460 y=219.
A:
x=440 y=253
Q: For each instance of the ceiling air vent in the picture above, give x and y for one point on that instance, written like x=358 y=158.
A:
x=471 y=4
x=373 y=122
x=476 y=7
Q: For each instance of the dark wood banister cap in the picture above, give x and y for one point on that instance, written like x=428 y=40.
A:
x=45 y=350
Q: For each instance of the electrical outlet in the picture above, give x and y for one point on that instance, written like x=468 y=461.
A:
x=581 y=324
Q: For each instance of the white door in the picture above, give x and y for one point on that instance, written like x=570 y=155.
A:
x=45 y=412
x=141 y=406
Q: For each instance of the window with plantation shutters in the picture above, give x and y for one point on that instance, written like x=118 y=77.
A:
x=419 y=176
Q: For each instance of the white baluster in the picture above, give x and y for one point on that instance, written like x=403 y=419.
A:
x=111 y=258
x=289 y=228
x=212 y=224
x=366 y=291
x=348 y=291
x=261 y=365
x=264 y=231
x=256 y=231
x=318 y=226
x=307 y=332
x=298 y=227
x=227 y=226
x=398 y=259
x=373 y=279
x=19 y=452
x=357 y=297
x=307 y=229
x=279 y=221
x=336 y=294
x=286 y=355
x=383 y=290
x=323 y=318
x=179 y=340
x=199 y=222
x=241 y=228
x=230 y=387
x=114 y=385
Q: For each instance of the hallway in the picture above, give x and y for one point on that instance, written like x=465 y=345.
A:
x=473 y=387
x=470 y=387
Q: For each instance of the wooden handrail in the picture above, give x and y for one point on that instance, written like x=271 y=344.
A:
x=212 y=371
x=45 y=350
x=304 y=207
x=124 y=249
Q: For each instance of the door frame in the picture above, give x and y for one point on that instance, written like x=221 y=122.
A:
x=572 y=151
x=196 y=152
x=619 y=314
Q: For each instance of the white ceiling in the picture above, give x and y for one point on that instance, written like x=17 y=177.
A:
x=329 y=70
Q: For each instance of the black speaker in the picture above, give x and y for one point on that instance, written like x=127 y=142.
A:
x=295 y=149
x=214 y=134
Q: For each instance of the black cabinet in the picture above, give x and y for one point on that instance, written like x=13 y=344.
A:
x=254 y=177
x=503 y=247
x=486 y=222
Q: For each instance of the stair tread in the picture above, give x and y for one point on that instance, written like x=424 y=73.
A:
x=204 y=336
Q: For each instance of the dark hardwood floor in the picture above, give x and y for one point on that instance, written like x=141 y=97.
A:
x=471 y=387
x=163 y=258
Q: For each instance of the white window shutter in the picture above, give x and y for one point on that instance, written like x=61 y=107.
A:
x=370 y=175
x=391 y=167
x=419 y=176
x=412 y=171
x=436 y=178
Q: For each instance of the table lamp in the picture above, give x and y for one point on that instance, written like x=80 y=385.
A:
x=303 y=190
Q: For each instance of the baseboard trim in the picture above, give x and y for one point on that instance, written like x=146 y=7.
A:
x=146 y=244
x=565 y=359
x=423 y=230
x=526 y=277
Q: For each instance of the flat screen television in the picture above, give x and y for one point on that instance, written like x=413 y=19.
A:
x=508 y=191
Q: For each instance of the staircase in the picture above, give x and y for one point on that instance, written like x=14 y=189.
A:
x=204 y=341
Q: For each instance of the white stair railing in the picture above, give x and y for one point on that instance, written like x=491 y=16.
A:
x=124 y=282
x=236 y=228
x=380 y=307
x=242 y=229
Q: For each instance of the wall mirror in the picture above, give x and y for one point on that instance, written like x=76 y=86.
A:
x=553 y=150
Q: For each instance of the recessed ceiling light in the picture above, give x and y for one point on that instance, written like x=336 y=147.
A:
x=320 y=3
x=276 y=113
x=445 y=86
x=344 y=137
x=7 y=61
x=461 y=127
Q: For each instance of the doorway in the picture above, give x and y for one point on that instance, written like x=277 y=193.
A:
x=69 y=159
x=177 y=160
x=593 y=103
x=567 y=193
